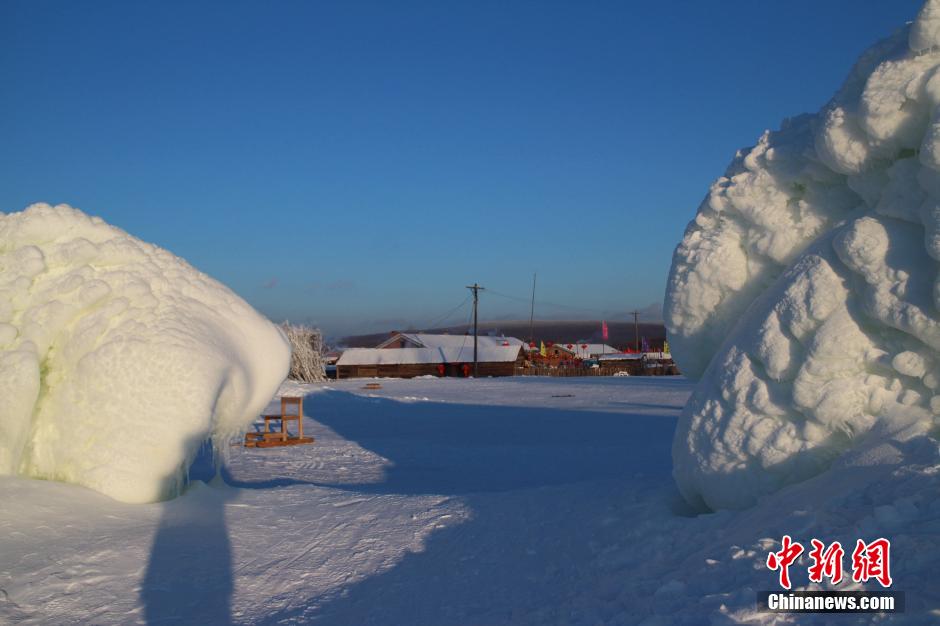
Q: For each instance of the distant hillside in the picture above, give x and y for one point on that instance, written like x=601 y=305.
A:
x=621 y=333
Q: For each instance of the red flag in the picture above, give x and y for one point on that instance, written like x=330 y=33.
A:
x=604 y=331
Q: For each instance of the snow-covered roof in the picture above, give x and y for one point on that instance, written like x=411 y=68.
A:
x=427 y=340
x=591 y=349
x=486 y=353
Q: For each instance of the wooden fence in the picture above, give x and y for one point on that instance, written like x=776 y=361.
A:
x=610 y=370
x=568 y=371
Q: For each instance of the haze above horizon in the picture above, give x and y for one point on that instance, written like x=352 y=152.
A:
x=355 y=165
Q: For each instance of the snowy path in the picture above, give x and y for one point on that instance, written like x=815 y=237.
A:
x=438 y=502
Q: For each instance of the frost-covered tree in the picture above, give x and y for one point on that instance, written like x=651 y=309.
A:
x=307 y=349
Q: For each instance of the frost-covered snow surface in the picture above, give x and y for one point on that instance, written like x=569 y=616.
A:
x=118 y=359
x=458 y=502
x=805 y=294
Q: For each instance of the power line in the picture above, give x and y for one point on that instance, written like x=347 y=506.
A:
x=555 y=304
x=446 y=316
x=542 y=302
x=506 y=295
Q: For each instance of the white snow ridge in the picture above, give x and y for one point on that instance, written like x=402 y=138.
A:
x=805 y=294
x=117 y=358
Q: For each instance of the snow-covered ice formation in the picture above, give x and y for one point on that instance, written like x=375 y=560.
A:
x=117 y=358
x=805 y=294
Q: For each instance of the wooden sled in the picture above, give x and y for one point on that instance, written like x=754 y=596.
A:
x=273 y=438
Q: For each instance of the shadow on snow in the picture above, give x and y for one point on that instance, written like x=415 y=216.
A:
x=522 y=552
x=189 y=575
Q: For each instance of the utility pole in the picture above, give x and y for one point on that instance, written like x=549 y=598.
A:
x=532 y=314
x=636 y=330
x=476 y=289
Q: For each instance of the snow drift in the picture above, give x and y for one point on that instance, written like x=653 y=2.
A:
x=117 y=358
x=805 y=294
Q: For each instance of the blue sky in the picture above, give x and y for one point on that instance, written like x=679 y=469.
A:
x=356 y=164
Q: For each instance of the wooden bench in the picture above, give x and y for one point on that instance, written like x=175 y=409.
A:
x=271 y=438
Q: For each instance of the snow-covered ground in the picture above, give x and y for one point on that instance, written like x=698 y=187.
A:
x=446 y=501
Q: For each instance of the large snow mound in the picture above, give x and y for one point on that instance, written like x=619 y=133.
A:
x=117 y=358
x=805 y=294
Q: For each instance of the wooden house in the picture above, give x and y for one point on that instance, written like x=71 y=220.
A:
x=406 y=355
x=568 y=354
x=640 y=363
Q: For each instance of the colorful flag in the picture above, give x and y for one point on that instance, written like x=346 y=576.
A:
x=604 y=333
x=645 y=345
x=666 y=347
x=542 y=349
